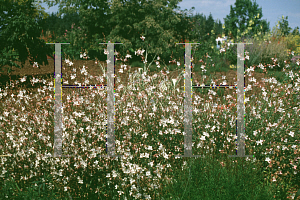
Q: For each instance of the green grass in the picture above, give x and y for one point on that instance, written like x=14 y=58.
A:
x=207 y=179
x=29 y=124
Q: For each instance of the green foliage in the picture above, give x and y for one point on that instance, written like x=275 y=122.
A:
x=39 y=189
x=248 y=18
x=293 y=44
x=272 y=44
x=204 y=179
x=38 y=12
x=284 y=26
x=57 y=24
x=77 y=44
x=221 y=65
x=204 y=31
x=93 y=22
x=296 y=31
x=155 y=19
x=183 y=31
x=24 y=41
x=159 y=24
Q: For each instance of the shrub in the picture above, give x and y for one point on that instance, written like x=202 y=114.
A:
x=293 y=44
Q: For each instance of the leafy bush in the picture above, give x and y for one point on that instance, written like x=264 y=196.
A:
x=293 y=43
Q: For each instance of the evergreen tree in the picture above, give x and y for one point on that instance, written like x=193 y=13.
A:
x=245 y=20
x=57 y=24
x=209 y=24
x=205 y=31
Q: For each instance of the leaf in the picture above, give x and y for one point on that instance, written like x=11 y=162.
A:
x=297 y=194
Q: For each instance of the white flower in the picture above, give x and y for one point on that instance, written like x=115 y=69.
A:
x=23 y=79
x=114 y=173
x=145 y=135
x=174 y=81
x=151 y=163
x=73 y=76
x=206 y=134
x=35 y=65
x=148 y=173
x=291 y=134
x=83 y=70
x=260 y=141
x=68 y=62
x=6 y=113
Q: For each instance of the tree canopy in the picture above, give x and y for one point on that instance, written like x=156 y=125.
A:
x=20 y=34
x=38 y=10
x=126 y=21
x=244 y=14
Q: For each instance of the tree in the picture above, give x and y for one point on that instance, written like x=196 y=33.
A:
x=57 y=24
x=158 y=20
x=209 y=24
x=38 y=11
x=19 y=35
x=94 y=20
x=53 y=24
x=296 y=31
x=126 y=21
x=199 y=25
x=186 y=27
x=204 y=31
x=184 y=31
x=284 y=26
x=245 y=20
x=281 y=32
x=218 y=28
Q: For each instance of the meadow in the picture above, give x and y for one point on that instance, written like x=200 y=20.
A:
x=149 y=129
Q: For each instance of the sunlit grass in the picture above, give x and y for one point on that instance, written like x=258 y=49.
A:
x=149 y=129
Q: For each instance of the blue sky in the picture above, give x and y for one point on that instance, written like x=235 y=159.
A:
x=272 y=10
